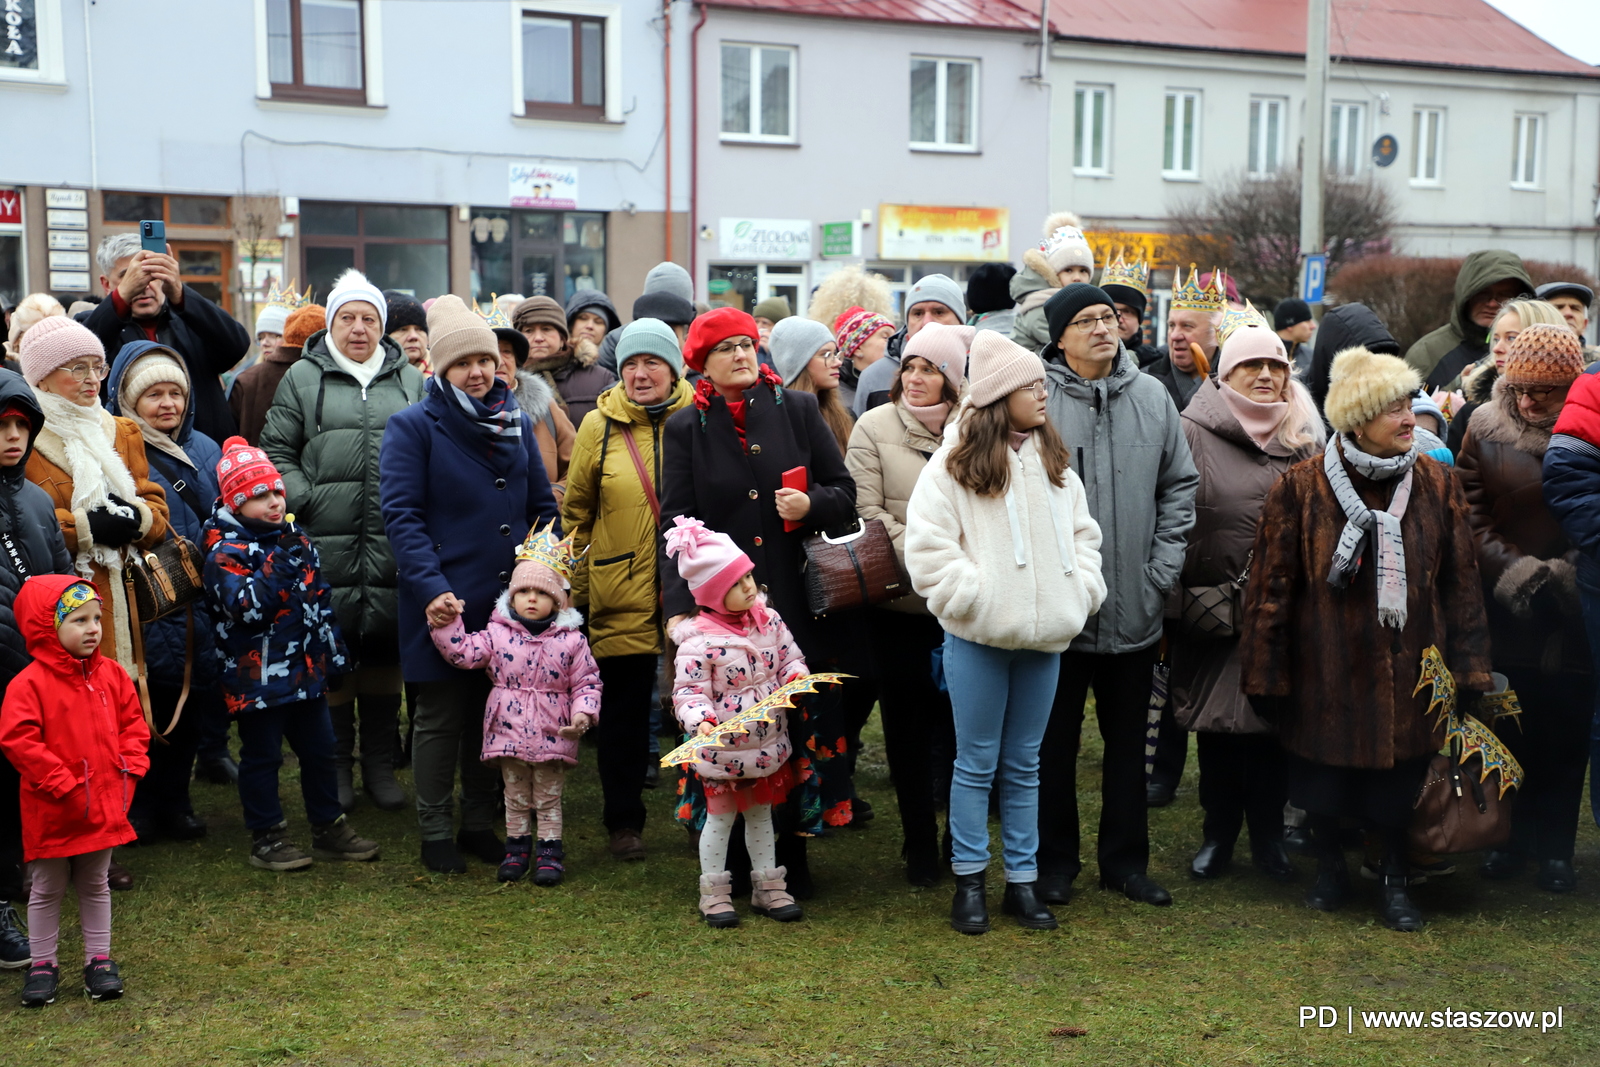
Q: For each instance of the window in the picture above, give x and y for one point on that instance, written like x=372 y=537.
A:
x=537 y=253
x=1091 y=142
x=204 y=265
x=314 y=50
x=397 y=246
x=1525 y=151
x=944 y=104
x=31 y=42
x=758 y=93
x=563 y=66
x=1427 y=140
x=173 y=210
x=1180 y=157
x=1344 y=138
x=1266 y=135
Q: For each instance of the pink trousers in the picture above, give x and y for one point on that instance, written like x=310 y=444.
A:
x=535 y=786
x=87 y=873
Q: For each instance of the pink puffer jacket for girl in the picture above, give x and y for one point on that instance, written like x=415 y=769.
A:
x=540 y=682
x=721 y=672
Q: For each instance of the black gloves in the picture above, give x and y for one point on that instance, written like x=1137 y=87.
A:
x=107 y=527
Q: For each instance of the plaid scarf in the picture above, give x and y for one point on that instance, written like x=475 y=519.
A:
x=1382 y=524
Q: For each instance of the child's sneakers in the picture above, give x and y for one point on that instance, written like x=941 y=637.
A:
x=100 y=979
x=548 y=868
x=272 y=850
x=770 y=896
x=337 y=841
x=41 y=985
x=515 y=865
x=14 y=951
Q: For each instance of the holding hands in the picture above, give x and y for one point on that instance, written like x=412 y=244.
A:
x=444 y=609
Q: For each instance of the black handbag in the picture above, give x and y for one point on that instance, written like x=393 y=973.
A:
x=1214 y=612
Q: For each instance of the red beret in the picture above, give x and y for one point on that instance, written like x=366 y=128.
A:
x=711 y=329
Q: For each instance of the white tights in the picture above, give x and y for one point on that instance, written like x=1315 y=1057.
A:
x=758 y=838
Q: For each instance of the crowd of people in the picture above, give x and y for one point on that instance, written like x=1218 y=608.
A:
x=464 y=539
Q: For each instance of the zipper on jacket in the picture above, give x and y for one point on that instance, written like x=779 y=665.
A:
x=266 y=639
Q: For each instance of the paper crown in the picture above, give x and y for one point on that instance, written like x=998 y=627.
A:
x=1213 y=298
x=287 y=298
x=543 y=546
x=495 y=318
x=1135 y=275
x=1233 y=320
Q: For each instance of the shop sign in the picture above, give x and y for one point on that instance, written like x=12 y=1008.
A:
x=841 y=239
x=944 y=234
x=69 y=261
x=76 y=199
x=1152 y=248
x=69 y=281
x=21 y=21
x=10 y=207
x=69 y=240
x=67 y=220
x=541 y=185
x=766 y=240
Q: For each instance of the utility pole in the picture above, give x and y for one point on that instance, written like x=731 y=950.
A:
x=1313 y=164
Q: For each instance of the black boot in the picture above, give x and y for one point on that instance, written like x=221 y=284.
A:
x=380 y=723
x=1211 y=861
x=483 y=844
x=969 y=912
x=1397 y=910
x=922 y=860
x=344 y=749
x=792 y=857
x=1024 y=905
x=1557 y=876
x=1272 y=859
x=1332 y=887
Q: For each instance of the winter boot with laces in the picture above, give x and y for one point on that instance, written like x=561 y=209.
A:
x=515 y=865
x=40 y=987
x=101 y=980
x=338 y=841
x=548 y=867
x=272 y=850
x=716 y=900
x=770 y=896
x=14 y=951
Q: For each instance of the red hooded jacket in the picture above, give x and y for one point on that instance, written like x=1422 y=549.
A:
x=75 y=732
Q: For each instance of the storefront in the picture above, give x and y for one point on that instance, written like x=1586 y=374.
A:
x=397 y=246
x=12 y=278
x=199 y=230
x=758 y=259
x=537 y=253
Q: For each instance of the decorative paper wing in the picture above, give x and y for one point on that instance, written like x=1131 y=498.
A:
x=1462 y=729
x=765 y=711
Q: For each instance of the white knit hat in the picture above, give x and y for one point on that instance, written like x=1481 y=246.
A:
x=1068 y=247
x=154 y=367
x=272 y=319
x=353 y=285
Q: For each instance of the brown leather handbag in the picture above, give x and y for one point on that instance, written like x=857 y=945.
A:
x=1455 y=812
x=164 y=579
x=855 y=570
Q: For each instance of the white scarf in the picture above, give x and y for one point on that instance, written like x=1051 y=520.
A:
x=363 y=373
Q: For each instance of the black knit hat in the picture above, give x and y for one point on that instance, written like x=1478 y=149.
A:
x=989 y=288
x=1127 y=295
x=1062 y=308
x=404 y=311
x=1289 y=313
x=670 y=308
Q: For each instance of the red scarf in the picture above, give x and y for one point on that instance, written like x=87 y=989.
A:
x=704 y=392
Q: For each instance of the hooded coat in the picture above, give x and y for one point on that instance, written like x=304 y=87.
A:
x=1127 y=445
x=1346 y=326
x=1032 y=287
x=1440 y=355
x=28 y=519
x=576 y=372
x=608 y=515
x=74 y=730
x=324 y=433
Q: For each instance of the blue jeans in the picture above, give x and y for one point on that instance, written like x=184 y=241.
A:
x=306 y=726
x=1591 y=622
x=1001 y=699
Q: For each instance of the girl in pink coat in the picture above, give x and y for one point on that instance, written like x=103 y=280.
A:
x=732 y=653
x=546 y=695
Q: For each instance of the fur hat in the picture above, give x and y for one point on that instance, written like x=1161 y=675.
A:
x=455 y=332
x=854 y=326
x=34 y=308
x=405 y=311
x=302 y=323
x=708 y=561
x=54 y=342
x=1542 y=356
x=999 y=367
x=792 y=344
x=245 y=472
x=1362 y=384
x=989 y=288
x=353 y=285
x=944 y=346
x=540 y=309
x=711 y=329
x=774 y=309
x=650 y=337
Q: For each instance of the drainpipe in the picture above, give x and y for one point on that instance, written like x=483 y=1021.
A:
x=666 y=68
x=1044 y=37
x=694 y=147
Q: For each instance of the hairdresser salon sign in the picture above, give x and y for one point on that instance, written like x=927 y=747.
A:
x=540 y=185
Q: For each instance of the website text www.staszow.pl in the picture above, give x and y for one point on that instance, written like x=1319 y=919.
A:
x=1327 y=1017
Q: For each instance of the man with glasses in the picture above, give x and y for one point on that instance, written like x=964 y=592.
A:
x=146 y=300
x=1123 y=436
x=1487 y=281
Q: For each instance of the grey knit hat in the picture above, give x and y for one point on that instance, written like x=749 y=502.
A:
x=668 y=277
x=792 y=344
x=650 y=337
x=939 y=289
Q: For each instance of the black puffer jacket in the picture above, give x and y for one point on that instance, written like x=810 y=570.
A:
x=27 y=526
x=1346 y=326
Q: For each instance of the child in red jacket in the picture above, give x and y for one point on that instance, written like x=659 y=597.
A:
x=73 y=728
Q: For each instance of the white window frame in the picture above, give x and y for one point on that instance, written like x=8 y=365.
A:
x=941 y=103
x=1083 y=129
x=52 y=70
x=1339 y=113
x=1526 y=156
x=1419 y=118
x=756 y=137
x=611 y=13
x=371 y=56
x=1179 y=173
x=1259 y=149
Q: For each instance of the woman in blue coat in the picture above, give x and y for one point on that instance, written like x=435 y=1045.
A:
x=150 y=384
x=461 y=483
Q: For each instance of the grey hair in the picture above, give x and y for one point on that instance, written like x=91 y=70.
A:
x=114 y=247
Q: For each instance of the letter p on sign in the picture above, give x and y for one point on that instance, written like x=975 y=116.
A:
x=1314 y=278
x=1323 y=1016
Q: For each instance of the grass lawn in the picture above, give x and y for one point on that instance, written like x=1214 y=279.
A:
x=383 y=963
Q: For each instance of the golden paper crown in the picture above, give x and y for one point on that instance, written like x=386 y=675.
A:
x=495 y=318
x=287 y=298
x=1135 y=275
x=1233 y=320
x=1213 y=298
x=543 y=546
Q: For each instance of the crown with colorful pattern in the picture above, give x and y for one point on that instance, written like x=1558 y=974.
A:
x=495 y=318
x=287 y=298
x=1135 y=275
x=1211 y=299
x=1233 y=320
x=543 y=546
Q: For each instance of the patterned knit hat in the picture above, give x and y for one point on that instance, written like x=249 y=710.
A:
x=853 y=326
x=53 y=343
x=1066 y=246
x=74 y=597
x=1544 y=355
x=999 y=367
x=245 y=472
x=709 y=561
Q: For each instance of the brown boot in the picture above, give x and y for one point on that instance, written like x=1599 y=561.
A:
x=626 y=845
x=770 y=896
x=716 y=900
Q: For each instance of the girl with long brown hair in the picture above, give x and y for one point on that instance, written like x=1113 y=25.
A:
x=807 y=358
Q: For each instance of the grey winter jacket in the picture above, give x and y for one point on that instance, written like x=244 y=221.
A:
x=1127 y=445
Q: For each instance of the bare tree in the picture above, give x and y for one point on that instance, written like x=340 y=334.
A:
x=1250 y=227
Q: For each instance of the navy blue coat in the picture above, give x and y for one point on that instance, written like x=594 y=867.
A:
x=165 y=645
x=454 y=516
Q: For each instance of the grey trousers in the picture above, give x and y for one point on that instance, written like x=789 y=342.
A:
x=449 y=731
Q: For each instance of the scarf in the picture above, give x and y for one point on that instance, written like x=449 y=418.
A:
x=489 y=430
x=746 y=622
x=165 y=442
x=933 y=416
x=1361 y=521
x=97 y=471
x=363 y=373
x=1260 y=421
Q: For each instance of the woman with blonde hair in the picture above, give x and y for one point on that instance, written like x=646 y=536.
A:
x=1477 y=381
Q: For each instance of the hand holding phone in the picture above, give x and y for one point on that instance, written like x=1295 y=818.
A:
x=153 y=236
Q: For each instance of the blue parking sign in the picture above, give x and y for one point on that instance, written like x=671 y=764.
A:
x=1314 y=278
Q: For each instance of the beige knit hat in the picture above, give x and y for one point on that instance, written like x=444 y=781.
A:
x=998 y=366
x=1362 y=384
x=154 y=367
x=1544 y=355
x=455 y=332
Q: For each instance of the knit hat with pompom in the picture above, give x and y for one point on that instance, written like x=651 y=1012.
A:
x=709 y=561
x=245 y=472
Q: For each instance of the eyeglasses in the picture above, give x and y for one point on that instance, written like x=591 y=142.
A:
x=833 y=357
x=1038 y=391
x=1538 y=396
x=1109 y=321
x=730 y=347
x=83 y=372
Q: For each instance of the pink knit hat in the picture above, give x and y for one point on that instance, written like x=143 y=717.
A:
x=709 y=561
x=945 y=347
x=1247 y=343
x=531 y=574
x=999 y=368
x=54 y=342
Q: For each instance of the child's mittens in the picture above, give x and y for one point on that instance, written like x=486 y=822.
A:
x=580 y=726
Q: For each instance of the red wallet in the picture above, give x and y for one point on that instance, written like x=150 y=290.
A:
x=795 y=478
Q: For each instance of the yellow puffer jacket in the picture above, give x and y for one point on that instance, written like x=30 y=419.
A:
x=607 y=512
